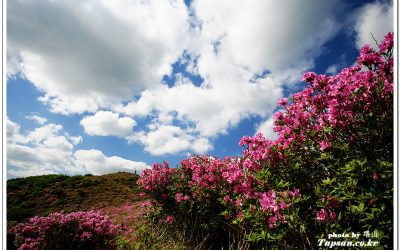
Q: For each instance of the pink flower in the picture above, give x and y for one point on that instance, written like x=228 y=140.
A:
x=296 y=192
x=321 y=215
x=368 y=56
x=86 y=235
x=239 y=202
x=268 y=202
x=169 y=219
x=324 y=145
x=332 y=215
x=227 y=199
x=179 y=197
x=387 y=42
x=272 y=221
x=309 y=77
x=282 y=205
x=282 y=102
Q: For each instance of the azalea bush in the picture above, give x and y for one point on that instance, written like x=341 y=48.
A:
x=329 y=171
x=77 y=230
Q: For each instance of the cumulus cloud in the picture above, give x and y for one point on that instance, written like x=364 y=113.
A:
x=49 y=150
x=106 y=123
x=374 y=18
x=88 y=54
x=43 y=151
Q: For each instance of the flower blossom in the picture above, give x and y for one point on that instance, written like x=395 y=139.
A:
x=321 y=215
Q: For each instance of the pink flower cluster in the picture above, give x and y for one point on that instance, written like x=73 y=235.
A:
x=330 y=108
x=387 y=43
x=327 y=212
x=180 y=197
x=157 y=177
x=204 y=172
x=42 y=232
x=206 y=181
x=322 y=214
x=268 y=202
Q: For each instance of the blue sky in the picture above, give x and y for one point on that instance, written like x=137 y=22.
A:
x=105 y=86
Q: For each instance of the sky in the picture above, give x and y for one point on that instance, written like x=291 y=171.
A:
x=96 y=87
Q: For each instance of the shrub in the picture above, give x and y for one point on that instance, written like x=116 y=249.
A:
x=77 y=230
x=18 y=213
x=74 y=181
x=329 y=171
x=59 y=192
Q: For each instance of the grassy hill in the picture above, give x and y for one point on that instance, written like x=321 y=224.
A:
x=115 y=195
x=41 y=195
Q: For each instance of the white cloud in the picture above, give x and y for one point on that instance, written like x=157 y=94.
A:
x=267 y=129
x=106 y=123
x=43 y=151
x=40 y=134
x=75 y=140
x=95 y=162
x=92 y=53
x=36 y=118
x=46 y=150
x=13 y=133
x=267 y=34
x=213 y=110
x=374 y=18
x=167 y=139
x=248 y=43
x=67 y=105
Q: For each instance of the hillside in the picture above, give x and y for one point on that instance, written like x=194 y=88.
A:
x=41 y=195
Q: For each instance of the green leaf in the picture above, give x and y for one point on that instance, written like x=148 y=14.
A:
x=326 y=182
x=361 y=207
x=317 y=190
x=323 y=156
